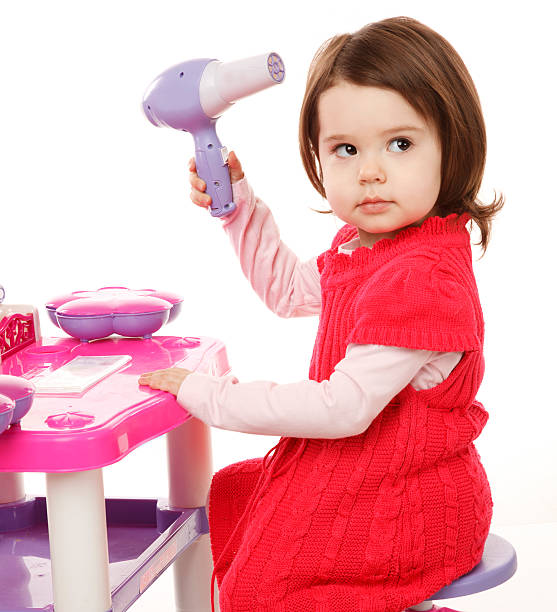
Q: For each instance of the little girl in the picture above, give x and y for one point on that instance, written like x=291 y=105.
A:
x=375 y=497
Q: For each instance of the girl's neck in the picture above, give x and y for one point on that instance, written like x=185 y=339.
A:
x=368 y=240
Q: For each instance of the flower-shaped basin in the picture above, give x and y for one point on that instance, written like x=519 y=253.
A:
x=89 y=315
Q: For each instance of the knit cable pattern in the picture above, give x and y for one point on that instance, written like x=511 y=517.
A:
x=380 y=521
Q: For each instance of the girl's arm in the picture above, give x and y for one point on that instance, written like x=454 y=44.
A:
x=288 y=287
x=363 y=383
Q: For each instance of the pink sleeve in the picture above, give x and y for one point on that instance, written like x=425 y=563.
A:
x=362 y=384
x=290 y=288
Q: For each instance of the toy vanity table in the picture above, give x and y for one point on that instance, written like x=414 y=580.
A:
x=74 y=550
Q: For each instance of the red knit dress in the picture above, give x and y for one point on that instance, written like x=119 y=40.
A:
x=379 y=521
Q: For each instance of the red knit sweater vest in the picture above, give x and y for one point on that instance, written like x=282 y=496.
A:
x=379 y=521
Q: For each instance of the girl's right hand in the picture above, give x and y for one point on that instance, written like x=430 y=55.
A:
x=198 y=185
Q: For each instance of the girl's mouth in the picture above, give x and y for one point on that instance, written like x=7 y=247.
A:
x=376 y=207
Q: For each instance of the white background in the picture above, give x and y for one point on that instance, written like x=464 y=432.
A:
x=92 y=194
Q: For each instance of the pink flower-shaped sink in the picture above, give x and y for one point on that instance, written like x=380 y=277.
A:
x=89 y=315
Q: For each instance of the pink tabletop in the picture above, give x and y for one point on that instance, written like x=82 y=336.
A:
x=69 y=433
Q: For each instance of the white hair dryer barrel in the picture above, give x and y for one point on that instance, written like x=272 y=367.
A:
x=222 y=83
x=192 y=95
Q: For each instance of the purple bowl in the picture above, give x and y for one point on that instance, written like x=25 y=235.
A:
x=20 y=392
x=7 y=406
x=132 y=312
x=52 y=315
x=174 y=312
x=86 y=327
x=143 y=324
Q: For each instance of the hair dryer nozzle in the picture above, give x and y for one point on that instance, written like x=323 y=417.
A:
x=223 y=83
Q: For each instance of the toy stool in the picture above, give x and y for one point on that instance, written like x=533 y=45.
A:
x=498 y=564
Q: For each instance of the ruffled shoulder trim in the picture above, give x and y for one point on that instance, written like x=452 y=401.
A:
x=422 y=301
x=449 y=231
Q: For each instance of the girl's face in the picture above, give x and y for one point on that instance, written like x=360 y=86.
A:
x=373 y=144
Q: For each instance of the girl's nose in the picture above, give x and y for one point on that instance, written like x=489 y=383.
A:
x=371 y=171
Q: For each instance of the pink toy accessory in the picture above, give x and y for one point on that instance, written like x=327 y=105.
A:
x=71 y=438
x=19 y=326
x=86 y=431
x=90 y=315
x=16 y=332
x=16 y=397
x=7 y=406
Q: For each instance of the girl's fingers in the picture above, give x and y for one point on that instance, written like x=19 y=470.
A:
x=166 y=380
x=201 y=199
x=197 y=183
x=198 y=187
x=235 y=168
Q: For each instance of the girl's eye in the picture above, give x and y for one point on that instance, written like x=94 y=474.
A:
x=347 y=148
x=403 y=143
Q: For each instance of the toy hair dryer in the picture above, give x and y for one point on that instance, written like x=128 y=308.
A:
x=192 y=95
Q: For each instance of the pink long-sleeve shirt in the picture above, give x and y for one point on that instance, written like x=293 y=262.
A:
x=362 y=383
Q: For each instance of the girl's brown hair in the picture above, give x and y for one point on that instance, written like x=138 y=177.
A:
x=404 y=55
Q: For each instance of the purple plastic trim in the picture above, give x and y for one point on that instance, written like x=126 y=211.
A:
x=144 y=538
x=7 y=404
x=22 y=407
x=498 y=564
x=19 y=515
x=5 y=419
x=88 y=327
x=174 y=312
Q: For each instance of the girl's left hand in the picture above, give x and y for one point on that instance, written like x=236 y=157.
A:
x=167 y=380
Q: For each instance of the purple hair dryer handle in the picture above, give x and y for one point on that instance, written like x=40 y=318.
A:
x=211 y=166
